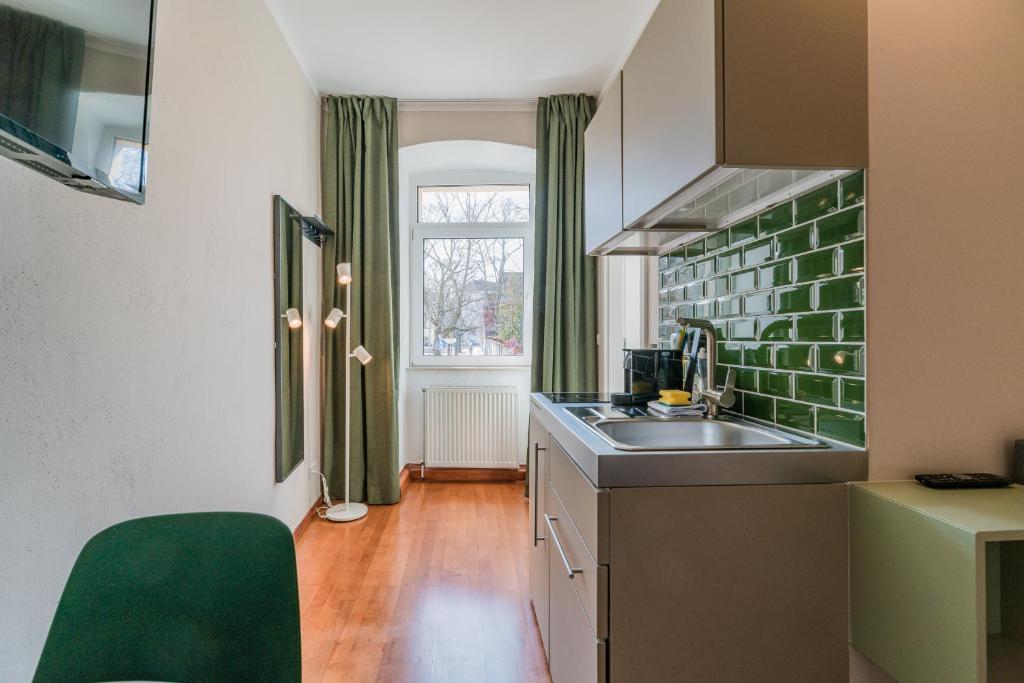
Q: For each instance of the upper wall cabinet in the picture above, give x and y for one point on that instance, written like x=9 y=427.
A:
x=603 y=169
x=713 y=86
x=669 y=124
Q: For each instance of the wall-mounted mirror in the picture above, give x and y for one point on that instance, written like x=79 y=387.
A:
x=288 y=336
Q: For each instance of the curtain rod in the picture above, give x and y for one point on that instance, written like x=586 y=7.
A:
x=468 y=104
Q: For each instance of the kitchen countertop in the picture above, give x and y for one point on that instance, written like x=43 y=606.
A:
x=609 y=467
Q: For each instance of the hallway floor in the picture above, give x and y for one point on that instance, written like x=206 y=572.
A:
x=435 y=588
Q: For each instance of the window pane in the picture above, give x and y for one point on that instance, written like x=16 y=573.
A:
x=473 y=297
x=475 y=204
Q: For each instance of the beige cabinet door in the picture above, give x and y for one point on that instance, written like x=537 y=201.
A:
x=670 y=105
x=576 y=654
x=538 y=478
x=602 y=170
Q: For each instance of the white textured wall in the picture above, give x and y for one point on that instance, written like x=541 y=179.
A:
x=136 y=343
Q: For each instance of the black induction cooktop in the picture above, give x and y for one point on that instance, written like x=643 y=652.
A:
x=577 y=397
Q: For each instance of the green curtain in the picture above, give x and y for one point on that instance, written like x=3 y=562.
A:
x=360 y=200
x=40 y=73
x=564 y=279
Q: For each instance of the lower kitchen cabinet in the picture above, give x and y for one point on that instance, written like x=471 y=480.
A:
x=701 y=583
x=537 y=469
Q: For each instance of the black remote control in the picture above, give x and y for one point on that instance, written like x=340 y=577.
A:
x=973 y=480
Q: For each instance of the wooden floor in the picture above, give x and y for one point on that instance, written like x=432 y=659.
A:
x=432 y=589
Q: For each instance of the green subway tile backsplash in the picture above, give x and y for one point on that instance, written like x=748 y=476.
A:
x=815 y=327
x=793 y=299
x=730 y=354
x=743 y=232
x=717 y=241
x=851 y=189
x=757 y=252
x=775 y=328
x=775 y=219
x=841 y=227
x=851 y=326
x=757 y=355
x=775 y=274
x=853 y=257
x=758 y=303
x=743 y=281
x=817 y=389
x=852 y=394
x=817 y=203
x=793 y=242
x=778 y=384
x=794 y=357
x=847 y=292
x=786 y=291
x=841 y=359
x=841 y=426
x=817 y=265
x=794 y=415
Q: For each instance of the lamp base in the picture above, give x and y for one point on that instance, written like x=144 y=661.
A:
x=347 y=513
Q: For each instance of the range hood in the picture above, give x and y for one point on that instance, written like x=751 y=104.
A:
x=720 y=198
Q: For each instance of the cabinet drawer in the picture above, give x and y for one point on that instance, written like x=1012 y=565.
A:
x=576 y=654
x=588 y=579
x=586 y=506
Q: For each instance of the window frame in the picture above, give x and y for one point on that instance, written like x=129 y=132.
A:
x=421 y=231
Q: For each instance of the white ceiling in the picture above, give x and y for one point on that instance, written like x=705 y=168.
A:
x=460 y=49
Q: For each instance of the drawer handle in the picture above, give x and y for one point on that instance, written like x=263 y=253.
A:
x=570 y=570
x=537 y=448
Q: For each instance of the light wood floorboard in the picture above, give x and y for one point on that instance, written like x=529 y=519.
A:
x=434 y=588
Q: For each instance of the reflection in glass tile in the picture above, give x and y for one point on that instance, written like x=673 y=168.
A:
x=841 y=359
x=793 y=299
x=817 y=389
x=730 y=260
x=853 y=257
x=794 y=415
x=743 y=329
x=853 y=394
x=744 y=281
x=758 y=355
x=743 y=232
x=775 y=219
x=841 y=426
x=816 y=327
x=851 y=188
x=845 y=292
x=794 y=356
x=775 y=274
x=779 y=384
x=817 y=265
x=840 y=227
x=758 y=303
x=817 y=203
x=776 y=328
x=793 y=242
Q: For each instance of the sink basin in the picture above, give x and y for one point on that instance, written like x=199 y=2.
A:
x=691 y=434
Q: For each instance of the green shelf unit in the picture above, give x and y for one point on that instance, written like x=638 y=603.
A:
x=937 y=581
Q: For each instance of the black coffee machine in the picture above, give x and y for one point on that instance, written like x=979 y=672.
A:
x=647 y=371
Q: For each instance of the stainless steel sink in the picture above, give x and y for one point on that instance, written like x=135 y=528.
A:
x=688 y=434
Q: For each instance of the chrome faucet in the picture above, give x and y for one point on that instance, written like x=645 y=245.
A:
x=712 y=397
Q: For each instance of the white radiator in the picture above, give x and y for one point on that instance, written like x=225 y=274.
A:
x=470 y=426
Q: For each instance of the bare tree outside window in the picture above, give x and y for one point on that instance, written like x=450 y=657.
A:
x=473 y=288
x=475 y=204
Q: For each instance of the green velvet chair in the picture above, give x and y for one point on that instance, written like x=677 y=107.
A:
x=193 y=597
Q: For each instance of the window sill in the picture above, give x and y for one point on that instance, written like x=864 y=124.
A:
x=523 y=366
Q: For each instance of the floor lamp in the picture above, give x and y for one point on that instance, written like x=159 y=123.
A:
x=349 y=511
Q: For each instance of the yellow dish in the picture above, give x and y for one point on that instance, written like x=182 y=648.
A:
x=675 y=397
